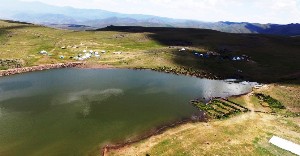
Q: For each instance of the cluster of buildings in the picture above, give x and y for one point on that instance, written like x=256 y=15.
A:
x=86 y=54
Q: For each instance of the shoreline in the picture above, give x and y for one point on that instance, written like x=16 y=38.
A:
x=159 y=130
x=181 y=71
x=15 y=71
x=84 y=65
x=155 y=131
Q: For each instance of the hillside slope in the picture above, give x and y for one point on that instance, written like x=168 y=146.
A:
x=269 y=58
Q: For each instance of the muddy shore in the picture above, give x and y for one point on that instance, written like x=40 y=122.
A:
x=156 y=131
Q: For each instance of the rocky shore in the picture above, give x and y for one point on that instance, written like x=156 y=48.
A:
x=177 y=71
x=10 y=63
x=39 y=68
x=182 y=71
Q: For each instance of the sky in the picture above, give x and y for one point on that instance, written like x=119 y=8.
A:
x=256 y=11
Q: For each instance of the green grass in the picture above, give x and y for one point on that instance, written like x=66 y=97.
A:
x=219 y=108
x=260 y=150
x=238 y=100
x=270 y=55
x=3 y=36
x=273 y=103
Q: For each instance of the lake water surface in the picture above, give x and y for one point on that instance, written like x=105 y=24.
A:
x=76 y=111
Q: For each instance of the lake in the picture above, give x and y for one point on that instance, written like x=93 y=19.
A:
x=77 y=111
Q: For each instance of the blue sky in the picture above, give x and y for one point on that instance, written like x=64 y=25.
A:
x=261 y=11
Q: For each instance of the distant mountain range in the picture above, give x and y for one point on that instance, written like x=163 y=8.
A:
x=85 y=19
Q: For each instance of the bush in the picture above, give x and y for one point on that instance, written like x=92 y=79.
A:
x=273 y=103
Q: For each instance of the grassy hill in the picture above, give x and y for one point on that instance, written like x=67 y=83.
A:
x=269 y=58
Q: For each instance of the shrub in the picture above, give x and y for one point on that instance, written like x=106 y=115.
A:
x=273 y=103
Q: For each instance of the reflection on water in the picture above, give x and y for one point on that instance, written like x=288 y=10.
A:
x=74 y=111
x=17 y=85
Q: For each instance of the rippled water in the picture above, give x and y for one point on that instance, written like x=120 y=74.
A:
x=76 y=111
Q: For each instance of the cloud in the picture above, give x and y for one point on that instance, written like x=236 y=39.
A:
x=93 y=95
x=262 y=11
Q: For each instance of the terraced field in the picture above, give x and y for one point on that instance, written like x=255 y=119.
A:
x=220 y=108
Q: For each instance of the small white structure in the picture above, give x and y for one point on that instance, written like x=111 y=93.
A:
x=91 y=51
x=182 y=49
x=237 y=58
x=84 y=51
x=96 y=53
x=61 y=57
x=245 y=83
x=258 y=86
x=63 y=47
x=43 y=52
x=103 y=51
x=88 y=55
x=285 y=144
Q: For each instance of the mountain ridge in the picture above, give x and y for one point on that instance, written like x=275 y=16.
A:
x=67 y=17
